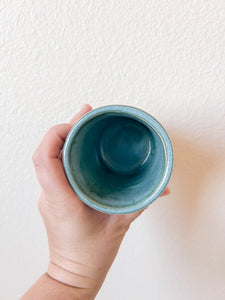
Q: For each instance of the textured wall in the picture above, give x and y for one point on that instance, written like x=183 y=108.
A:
x=166 y=57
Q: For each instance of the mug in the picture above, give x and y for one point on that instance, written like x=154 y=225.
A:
x=118 y=159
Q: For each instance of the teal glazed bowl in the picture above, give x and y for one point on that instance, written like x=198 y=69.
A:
x=118 y=159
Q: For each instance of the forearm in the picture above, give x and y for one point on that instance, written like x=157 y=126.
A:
x=47 y=288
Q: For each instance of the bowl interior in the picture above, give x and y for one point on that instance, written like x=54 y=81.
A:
x=101 y=186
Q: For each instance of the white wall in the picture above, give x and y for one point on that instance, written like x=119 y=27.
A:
x=166 y=57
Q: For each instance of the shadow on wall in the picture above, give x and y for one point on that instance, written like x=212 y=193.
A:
x=189 y=215
x=194 y=167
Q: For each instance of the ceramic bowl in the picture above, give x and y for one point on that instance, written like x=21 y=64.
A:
x=118 y=159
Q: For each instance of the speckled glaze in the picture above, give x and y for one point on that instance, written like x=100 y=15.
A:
x=118 y=159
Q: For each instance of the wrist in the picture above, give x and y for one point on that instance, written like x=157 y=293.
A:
x=73 y=283
x=47 y=287
x=67 y=277
x=77 y=275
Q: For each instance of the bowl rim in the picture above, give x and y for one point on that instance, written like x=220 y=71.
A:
x=146 y=119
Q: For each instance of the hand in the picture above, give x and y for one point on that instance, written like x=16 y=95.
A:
x=82 y=242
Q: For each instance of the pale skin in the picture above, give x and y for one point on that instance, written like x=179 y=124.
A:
x=83 y=242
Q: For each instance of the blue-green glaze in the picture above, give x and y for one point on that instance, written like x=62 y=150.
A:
x=118 y=159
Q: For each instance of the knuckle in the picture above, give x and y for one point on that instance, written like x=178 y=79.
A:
x=37 y=159
x=40 y=206
x=53 y=129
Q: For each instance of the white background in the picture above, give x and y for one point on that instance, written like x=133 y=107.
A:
x=166 y=57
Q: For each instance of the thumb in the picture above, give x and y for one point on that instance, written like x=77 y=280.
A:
x=46 y=159
x=84 y=109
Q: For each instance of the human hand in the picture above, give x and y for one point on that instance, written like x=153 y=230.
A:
x=83 y=242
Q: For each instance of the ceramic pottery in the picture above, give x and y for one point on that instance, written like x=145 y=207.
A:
x=118 y=159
